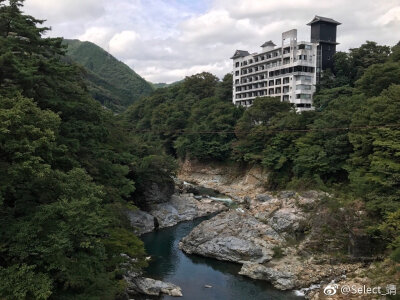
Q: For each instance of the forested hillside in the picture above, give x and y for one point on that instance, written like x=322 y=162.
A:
x=68 y=169
x=109 y=80
x=349 y=146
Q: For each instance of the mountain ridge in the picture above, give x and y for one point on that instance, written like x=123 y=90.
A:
x=110 y=81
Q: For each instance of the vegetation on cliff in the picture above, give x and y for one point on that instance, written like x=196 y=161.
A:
x=69 y=167
x=68 y=170
x=349 y=144
x=109 y=81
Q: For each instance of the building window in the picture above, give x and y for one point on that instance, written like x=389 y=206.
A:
x=237 y=64
x=305 y=105
x=237 y=73
x=304 y=78
x=285 y=80
x=305 y=87
x=278 y=81
x=271 y=83
x=303 y=96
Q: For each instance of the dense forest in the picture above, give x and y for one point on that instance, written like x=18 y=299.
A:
x=109 y=80
x=68 y=171
x=69 y=167
x=349 y=146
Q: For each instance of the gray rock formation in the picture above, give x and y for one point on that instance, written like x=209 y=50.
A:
x=141 y=221
x=147 y=286
x=263 y=197
x=281 y=279
x=183 y=207
x=232 y=236
x=158 y=192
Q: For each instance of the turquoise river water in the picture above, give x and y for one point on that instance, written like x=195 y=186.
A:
x=192 y=272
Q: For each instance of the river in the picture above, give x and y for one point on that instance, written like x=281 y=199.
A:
x=192 y=272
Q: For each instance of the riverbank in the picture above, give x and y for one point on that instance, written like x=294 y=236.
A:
x=276 y=237
x=165 y=212
x=201 y=277
x=181 y=206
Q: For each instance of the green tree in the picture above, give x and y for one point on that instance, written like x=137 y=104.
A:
x=202 y=85
x=224 y=88
x=253 y=128
x=216 y=119
x=322 y=153
x=65 y=178
x=379 y=77
x=374 y=166
x=364 y=56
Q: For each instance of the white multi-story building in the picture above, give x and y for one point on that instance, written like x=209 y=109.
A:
x=289 y=71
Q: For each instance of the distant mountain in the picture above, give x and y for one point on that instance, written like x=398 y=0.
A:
x=160 y=85
x=110 y=81
x=163 y=85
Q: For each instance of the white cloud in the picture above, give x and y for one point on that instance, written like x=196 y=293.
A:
x=122 y=44
x=98 y=35
x=67 y=10
x=392 y=16
x=167 y=40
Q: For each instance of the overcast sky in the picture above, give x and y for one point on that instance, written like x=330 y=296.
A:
x=166 y=40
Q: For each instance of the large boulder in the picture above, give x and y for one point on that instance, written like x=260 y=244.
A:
x=148 y=286
x=157 y=192
x=283 y=279
x=293 y=271
x=141 y=221
x=183 y=207
x=232 y=236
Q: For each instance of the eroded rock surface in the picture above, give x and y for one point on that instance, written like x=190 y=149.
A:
x=141 y=221
x=148 y=286
x=183 y=207
x=179 y=208
x=268 y=239
x=232 y=236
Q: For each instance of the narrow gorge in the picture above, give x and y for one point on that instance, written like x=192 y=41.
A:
x=272 y=237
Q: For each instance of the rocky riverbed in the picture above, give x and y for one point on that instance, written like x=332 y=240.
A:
x=270 y=234
x=163 y=212
x=264 y=239
x=181 y=206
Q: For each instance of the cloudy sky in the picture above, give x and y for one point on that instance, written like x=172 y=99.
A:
x=166 y=40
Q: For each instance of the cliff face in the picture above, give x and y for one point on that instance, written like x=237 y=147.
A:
x=237 y=182
x=276 y=236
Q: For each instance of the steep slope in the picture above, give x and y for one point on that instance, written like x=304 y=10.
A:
x=161 y=85
x=110 y=81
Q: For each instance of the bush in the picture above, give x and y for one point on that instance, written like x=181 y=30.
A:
x=278 y=252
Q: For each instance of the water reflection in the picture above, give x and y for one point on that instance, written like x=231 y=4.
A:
x=192 y=272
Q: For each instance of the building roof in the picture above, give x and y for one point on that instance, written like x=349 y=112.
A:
x=323 y=19
x=269 y=43
x=240 y=53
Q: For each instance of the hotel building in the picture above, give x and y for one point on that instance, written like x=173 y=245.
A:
x=289 y=71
